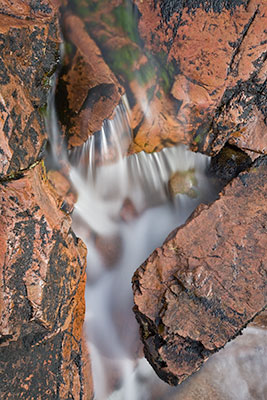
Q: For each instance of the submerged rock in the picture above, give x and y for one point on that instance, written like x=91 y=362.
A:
x=207 y=281
x=88 y=91
x=183 y=182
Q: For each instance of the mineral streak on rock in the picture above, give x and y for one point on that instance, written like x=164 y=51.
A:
x=218 y=50
x=42 y=275
x=207 y=281
x=29 y=42
x=88 y=91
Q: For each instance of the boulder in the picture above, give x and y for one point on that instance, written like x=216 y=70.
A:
x=87 y=91
x=208 y=280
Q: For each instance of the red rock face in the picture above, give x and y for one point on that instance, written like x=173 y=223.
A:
x=200 y=78
x=207 y=281
x=42 y=263
x=219 y=74
x=42 y=276
x=28 y=57
x=88 y=91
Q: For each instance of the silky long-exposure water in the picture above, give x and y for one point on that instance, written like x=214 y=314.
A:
x=141 y=181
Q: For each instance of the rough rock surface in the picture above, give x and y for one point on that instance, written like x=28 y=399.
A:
x=194 y=72
x=42 y=263
x=42 y=277
x=88 y=91
x=207 y=281
x=29 y=53
x=218 y=53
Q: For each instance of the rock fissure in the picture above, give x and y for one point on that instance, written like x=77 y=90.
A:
x=241 y=40
x=20 y=173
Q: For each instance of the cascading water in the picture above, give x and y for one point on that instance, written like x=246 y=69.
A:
x=126 y=207
x=124 y=211
x=124 y=204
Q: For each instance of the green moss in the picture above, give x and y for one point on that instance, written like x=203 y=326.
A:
x=84 y=8
x=159 y=95
x=46 y=82
x=68 y=48
x=43 y=110
x=198 y=138
x=121 y=61
x=126 y=20
x=201 y=134
x=150 y=93
x=167 y=76
x=166 y=71
x=146 y=73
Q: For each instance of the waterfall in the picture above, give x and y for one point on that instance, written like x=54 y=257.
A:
x=119 y=240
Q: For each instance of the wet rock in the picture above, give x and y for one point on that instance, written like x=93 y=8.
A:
x=128 y=211
x=227 y=164
x=236 y=372
x=42 y=263
x=207 y=281
x=183 y=182
x=194 y=72
x=110 y=248
x=88 y=91
x=42 y=290
x=29 y=53
x=216 y=72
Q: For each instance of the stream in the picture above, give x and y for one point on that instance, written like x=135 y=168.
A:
x=127 y=205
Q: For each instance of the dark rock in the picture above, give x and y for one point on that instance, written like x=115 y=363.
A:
x=42 y=295
x=227 y=164
x=29 y=54
x=207 y=281
x=42 y=262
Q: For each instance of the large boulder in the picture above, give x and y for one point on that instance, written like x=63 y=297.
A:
x=207 y=281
